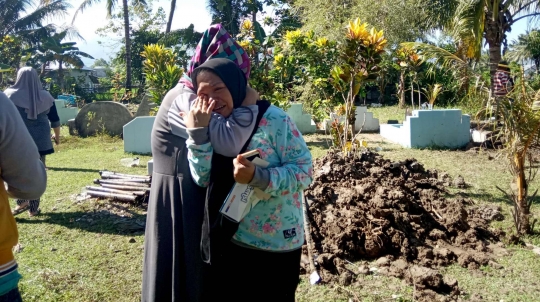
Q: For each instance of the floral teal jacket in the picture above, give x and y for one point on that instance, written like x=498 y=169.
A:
x=276 y=224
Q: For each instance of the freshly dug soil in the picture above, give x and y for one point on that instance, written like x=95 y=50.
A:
x=365 y=207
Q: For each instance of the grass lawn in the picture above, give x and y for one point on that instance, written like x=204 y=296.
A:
x=92 y=251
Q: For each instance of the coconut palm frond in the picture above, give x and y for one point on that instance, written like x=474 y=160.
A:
x=467 y=27
x=42 y=12
x=520 y=9
x=439 y=56
x=88 y=3
x=17 y=16
x=525 y=48
x=71 y=32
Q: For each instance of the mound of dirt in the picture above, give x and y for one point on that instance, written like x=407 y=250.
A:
x=367 y=207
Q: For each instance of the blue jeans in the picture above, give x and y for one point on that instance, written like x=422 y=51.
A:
x=12 y=296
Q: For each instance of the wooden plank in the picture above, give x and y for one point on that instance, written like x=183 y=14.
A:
x=125 y=188
x=113 y=196
x=123 y=175
x=121 y=183
x=115 y=191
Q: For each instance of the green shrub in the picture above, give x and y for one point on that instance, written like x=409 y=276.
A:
x=160 y=70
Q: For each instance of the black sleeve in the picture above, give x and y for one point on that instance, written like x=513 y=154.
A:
x=53 y=115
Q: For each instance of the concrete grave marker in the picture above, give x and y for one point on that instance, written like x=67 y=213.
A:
x=429 y=128
x=371 y=124
x=137 y=134
x=102 y=116
x=65 y=113
x=303 y=121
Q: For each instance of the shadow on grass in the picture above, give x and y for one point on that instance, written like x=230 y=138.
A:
x=103 y=222
x=73 y=170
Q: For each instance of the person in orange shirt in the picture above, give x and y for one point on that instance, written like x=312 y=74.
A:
x=24 y=176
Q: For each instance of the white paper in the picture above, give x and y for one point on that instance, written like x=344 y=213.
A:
x=314 y=278
x=237 y=201
x=243 y=197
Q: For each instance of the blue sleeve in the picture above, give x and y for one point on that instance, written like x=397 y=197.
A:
x=295 y=171
x=200 y=162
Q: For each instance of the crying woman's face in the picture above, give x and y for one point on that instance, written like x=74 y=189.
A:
x=212 y=86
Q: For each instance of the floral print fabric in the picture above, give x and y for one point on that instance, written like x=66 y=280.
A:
x=276 y=224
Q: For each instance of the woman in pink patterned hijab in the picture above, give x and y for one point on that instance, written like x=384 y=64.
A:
x=173 y=269
x=216 y=42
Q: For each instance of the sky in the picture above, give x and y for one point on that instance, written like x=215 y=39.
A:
x=187 y=12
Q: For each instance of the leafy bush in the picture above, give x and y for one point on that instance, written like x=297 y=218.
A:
x=359 y=58
x=160 y=70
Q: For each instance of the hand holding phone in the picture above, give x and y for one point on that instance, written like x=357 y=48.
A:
x=244 y=169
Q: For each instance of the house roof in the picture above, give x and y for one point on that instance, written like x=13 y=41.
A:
x=55 y=67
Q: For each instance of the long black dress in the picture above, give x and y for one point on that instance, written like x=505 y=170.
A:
x=173 y=269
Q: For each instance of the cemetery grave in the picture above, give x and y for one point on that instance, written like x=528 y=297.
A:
x=365 y=207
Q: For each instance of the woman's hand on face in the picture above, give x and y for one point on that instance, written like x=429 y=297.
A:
x=200 y=113
x=244 y=170
x=251 y=97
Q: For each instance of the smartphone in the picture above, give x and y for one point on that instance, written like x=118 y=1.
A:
x=255 y=157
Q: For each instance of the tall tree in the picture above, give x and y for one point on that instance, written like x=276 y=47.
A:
x=491 y=20
x=147 y=28
x=171 y=15
x=526 y=48
x=111 y=4
x=20 y=17
x=404 y=20
x=227 y=12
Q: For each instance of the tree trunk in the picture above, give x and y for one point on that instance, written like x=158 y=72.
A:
x=523 y=212
x=382 y=89
x=419 y=96
x=253 y=20
x=412 y=94
x=43 y=66
x=61 y=75
x=171 y=15
x=128 y=46
x=494 y=35
x=402 y=90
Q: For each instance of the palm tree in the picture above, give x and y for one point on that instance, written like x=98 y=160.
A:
x=526 y=48
x=111 y=4
x=52 y=49
x=17 y=18
x=171 y=15
x=476 y=21
x=490 y=20
x=22 y=22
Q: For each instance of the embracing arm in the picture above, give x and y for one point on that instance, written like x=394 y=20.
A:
x=295 y=172
x=229 y=135
x=180 y=104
